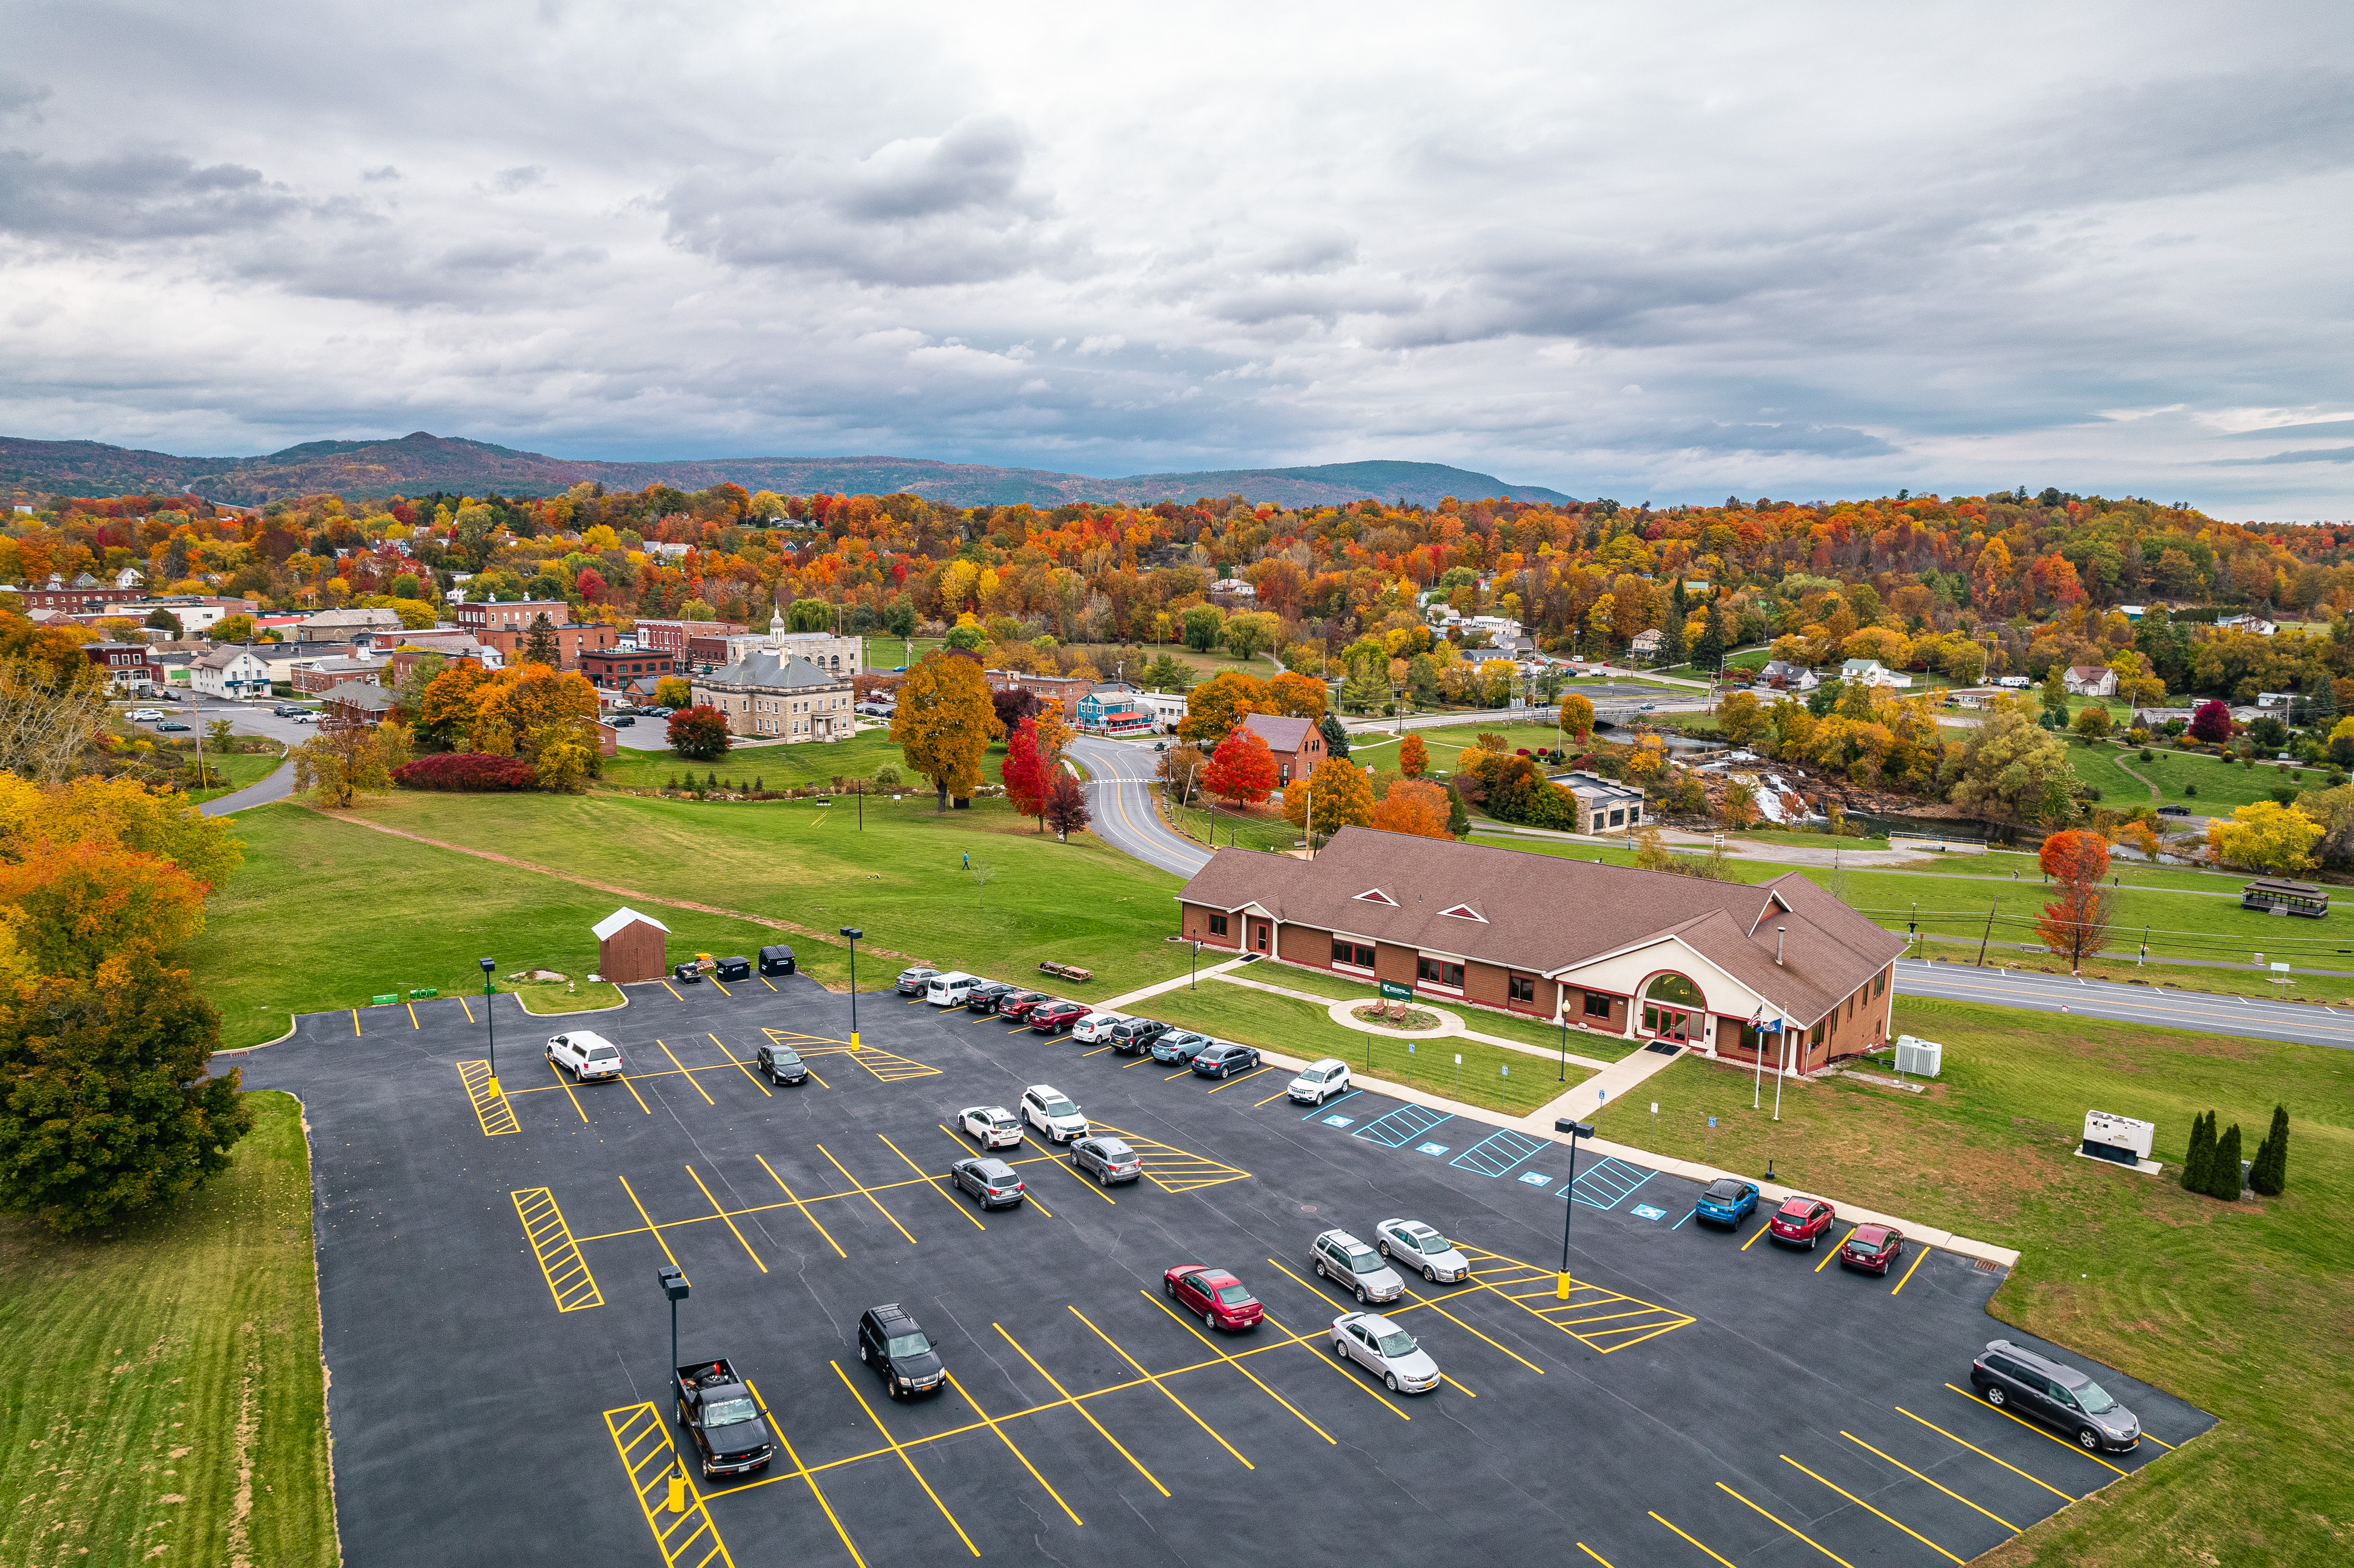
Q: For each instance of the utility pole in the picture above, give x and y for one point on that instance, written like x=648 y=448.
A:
x=1985 y=936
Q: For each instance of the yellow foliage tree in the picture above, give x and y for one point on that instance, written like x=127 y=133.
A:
x=1339 y=793
x=2266 y=836
x=116 y=811
x=945 y=721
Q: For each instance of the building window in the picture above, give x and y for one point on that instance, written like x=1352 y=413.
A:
x=1356 y=955
x=1217 y=925
x=1879 y=984
x=1438 y=971
x=1523 y=989
x=1618 y=819
x=1816 y=1037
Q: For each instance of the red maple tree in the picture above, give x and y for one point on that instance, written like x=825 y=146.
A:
x=1242 y=770
x=1027 y=776
x=2077 y=922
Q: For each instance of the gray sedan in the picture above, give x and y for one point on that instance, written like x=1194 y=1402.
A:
x=1372 y=1341
x=1411 y=1244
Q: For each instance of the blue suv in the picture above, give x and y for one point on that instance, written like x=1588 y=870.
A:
x=1727 y=1201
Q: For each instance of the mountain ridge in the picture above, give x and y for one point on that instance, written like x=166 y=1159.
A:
x=421 y=462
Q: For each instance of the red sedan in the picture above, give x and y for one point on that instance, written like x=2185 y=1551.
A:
x=1803 y=1220
x=1217 y=1297
x=1872 y=1248
x=1055 y=1017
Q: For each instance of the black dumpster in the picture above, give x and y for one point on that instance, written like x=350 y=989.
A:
x=735 y=968
x=776 y=960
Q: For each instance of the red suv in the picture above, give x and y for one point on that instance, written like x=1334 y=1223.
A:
x=1055 y=1017
x=1803 y=1220
x=1019 y=1003
x=1216 y=1297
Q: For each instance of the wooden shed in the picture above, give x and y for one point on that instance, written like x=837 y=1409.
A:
x=629 y=946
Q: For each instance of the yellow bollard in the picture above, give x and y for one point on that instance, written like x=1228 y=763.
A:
x=494 y=1089
x=853 y=1039
x=1560 y=1287
x=678 y=1491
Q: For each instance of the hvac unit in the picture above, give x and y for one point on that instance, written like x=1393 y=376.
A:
x=2118 y=1138
x=1920 y=1058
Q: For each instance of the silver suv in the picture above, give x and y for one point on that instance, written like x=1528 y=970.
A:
x=2012 y=1377
x=1350 y=1263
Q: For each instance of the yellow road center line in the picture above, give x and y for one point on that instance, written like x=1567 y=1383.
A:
x=1919 y=1477
x=905 y=1458
x=1017 y=1453
x=730 y=1223
x=1694 y=1543
x=2072 y=1448
x=1238 y=1366
x=1910 y=1268
x=1801 y=1534
x=1982 y=1454
x=1084 y=1413
x=649 y=1219
x=1861 y=1503
x=567 y=1089
x=799 y=1204
x=934 y=1183
x=1835 y=1252
x=869 y=1195
x=740 y=1066
x=689 y=1077
x=1156 y=1382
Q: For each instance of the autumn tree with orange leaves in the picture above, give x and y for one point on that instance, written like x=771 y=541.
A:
x=1242 y=770
x=2077 y=922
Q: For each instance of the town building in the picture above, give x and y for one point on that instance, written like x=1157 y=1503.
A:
x=843 y=656
x=127 y=665
x=629 y=946
x=400 y=662
x=317 y=677
x=84 y=595
x=1783 y=675
x=1604 y=805
x=571 y=641
x=1064 y=692
x=2090 y=680
x=234 y=672
x=1872 y=672
x=1298 y=743
x=1119 y=707
x=777 y=693
x=358 y=702
x=671 y=636
x=343 y=625
x=1647 y=643
x=195 y=612
x=1780 y=972
x=2254 y=625
x=513 y=615
x=626 y=666
x=1233 y=593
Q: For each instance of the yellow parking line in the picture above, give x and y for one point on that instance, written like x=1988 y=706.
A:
x=665 y=985
x=1861 y=1503
x=723 y=989
x=904 y=1458
x=1750 y=1243
x=1246 y=1078
x=1084 y=1413
x=1910 y=1268
x=1835 y=1251
x=1596 y=1555
x=1238 y=1366
x=801 y=1206
x=1156 y=1382
x=635 y=1096
x=567 y=1089
x=2039 y=1431
x=1017 y=1453
x=412 y=1017
x=2159 y=1441
x=1178 y=1074
x=870 y=1196
x=355 y=1020
x=650 y=1222
x=815 y=1492
x=469 y=1010
x=765 y=982
x=1982 y=1454
x=1270 y=1099
x=1712 y=1554
x=730 y=1223
x=1794 y=1530
x=933 y=1183
x=689 y=1077
x=1919 y=1477
x=1140 y=1061
x=1460 y=1323
x=1348 y=1372
x=739 y=1065
x=1097 y=1051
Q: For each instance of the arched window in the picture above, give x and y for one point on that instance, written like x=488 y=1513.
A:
x=1674 y=988
x=1673 y=1009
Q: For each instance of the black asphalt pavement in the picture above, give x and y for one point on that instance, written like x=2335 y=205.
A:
x=1119 y=797
x=498 y=1343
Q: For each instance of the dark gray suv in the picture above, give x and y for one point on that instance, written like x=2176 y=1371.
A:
x=2014 y=1378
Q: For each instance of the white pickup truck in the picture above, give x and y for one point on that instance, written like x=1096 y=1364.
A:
x=589 y=1054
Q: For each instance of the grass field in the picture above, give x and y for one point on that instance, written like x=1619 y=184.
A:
x=2220 y=785
x=1263 y=828
x=788 y=766
x=162 y=1398
x=2243 y=1308
x=239 y=769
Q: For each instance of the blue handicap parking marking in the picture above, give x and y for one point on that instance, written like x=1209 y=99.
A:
x=1431 y=1148
x=1401 y=1127
x=1602 y=1184
x=1645 y=1212
x=1318 y=1111
x=1536 y=1178
x=1339 y=1121
x=1496 y=1153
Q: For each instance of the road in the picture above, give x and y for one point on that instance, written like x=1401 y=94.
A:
x=2159 y=1007
x=1120 y=797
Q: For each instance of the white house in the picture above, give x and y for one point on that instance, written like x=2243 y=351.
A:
x=2254 y=625
x=2090 y=680
x=230 y=673
x=1784 y=675
x=1872 y=672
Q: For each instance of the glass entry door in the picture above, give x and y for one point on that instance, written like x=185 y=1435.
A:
x=1666 y=1022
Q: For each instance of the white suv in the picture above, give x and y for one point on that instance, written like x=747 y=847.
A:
x=589 y=1055
x=1096 y=1025
x=1319 y=1081
x=1050 y=1110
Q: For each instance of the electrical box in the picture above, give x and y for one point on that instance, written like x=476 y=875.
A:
x=2118 y=1138
x=1919 y=1058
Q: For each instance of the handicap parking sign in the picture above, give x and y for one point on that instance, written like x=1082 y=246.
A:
x=1339 y=1121
x=1433 y=1149
x=1536 y=1178
x=1645 y=1212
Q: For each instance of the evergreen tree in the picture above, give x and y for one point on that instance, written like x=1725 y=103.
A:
x=2223 y=1178
x=1336 y=739
x=2270 y=1175
x=1459 y=821
x=2199 y=1158
x=1672 y=639
x=539 y=644
x=1715 y=637
x=2321 y=708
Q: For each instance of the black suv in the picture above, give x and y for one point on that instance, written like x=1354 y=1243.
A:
x=1136 y=1034
x=2012 y=1377
x=782 y=1064
x=983 y=998
x=890 y=1341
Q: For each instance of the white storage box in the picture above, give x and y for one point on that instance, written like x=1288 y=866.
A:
x=2118 y=1138
x=1919 y=1058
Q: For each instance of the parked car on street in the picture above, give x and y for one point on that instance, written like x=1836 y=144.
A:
x=1050 y=1110
x=1354 y=1266
x=782 y=1064
x=1415 y=1246
x=1107 y=1158
x=724 y=1416
x=1095 y=1026
x=1055 y=1017
x=1802 y=1221
x=1871 y=1248
x=2162 y=810
x=283 y=710
x=1136 y=1034
x=305 y=717
x=1319 y=1081
x=172 y=726
x=890 y=1341
x=2012 y=1377
x=1388 y=1351
x=586 y=1055
x=993 y=1127
x=1213 y=1294
x=991 y=1180
x=144 y=715
x=1223 y=1060
x=1178 y=1047
x=622 y=721
x=1727 y=1201
x=656 y=712
x=911 y=982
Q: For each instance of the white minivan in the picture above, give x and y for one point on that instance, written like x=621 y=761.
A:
x=951 y=989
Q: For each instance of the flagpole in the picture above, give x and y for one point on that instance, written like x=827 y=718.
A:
x=1781 y=1071
x=1757 y=1055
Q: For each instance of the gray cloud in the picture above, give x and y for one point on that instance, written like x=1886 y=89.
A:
x=133 y=197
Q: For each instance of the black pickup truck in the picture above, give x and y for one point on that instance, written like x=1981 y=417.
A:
x=724 y=1413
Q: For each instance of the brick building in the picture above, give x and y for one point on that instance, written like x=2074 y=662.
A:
x=671 y=636
x=127 y=665
x=513 y=615
x=317 y=677
x=1298 y=743
x=571 y=641
x=772 y=692
x=1064 y=692
x=84 y=593
x=1780 y=971
x=616 y=668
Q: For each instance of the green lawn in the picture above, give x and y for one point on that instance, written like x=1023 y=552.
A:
x=884 y=654
x=161 y=1397
x=2240 y=1308
x=1262 y=828
x=2219 y=785
x=240 y=770
x=787 y=766
x=1528 y=1030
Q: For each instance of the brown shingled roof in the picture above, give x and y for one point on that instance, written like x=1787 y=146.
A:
x=1547 y=913
x=1281 y=734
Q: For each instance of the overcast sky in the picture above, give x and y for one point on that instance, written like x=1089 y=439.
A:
x=1652 y=253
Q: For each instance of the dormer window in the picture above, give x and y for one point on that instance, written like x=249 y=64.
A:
x=1465 y=912
x=1375 y=895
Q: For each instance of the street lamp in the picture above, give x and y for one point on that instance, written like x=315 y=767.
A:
x=490 y=967
x=853 y=933
x=673 y=1284
x=1577 y=1129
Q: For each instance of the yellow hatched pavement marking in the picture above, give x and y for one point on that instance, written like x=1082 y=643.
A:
x=568 y=1279
x=886 y=1066
x=643 y=1444
x=491 y=1109
x=1600 y=1318
x=1174 y=1169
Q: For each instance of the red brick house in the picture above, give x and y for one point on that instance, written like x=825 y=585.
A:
x=1058 y=691
x=671 y=636
x=127 y=665
x=513 y=615
x=1298 y=743
x=612 y=669
x=1611 y=949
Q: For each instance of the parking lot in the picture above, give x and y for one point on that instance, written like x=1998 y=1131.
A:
x=498 y=1343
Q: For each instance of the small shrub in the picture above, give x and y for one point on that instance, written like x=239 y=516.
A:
x=2147 y=754
x=757 y=787
x=712 y=781
x=467 y=771
x=2190 y=788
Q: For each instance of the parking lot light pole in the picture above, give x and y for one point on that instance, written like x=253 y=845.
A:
x=490 y=968
x=1577 y=1129
x=853 y=933
x=673 y=1284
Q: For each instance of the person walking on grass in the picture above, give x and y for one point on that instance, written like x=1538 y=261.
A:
x=968 y=860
